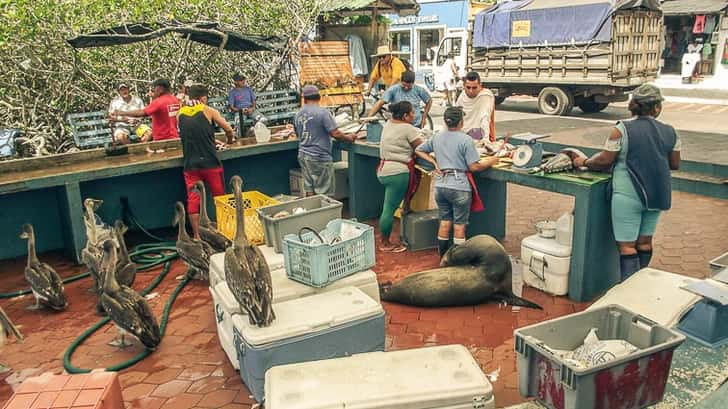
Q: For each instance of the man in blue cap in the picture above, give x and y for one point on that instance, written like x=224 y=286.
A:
x=315 y=127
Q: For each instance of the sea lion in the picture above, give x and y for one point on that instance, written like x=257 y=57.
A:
x=471 y=273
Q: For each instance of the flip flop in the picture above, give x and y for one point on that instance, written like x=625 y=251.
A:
x=393 y=249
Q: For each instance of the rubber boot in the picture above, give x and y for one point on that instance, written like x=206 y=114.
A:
x=628 y=265
x=443 y=246
x=645 y=257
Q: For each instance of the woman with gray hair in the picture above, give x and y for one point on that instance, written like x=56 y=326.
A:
x=640 y=152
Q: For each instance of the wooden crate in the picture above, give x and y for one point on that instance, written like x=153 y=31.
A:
x=326 y=64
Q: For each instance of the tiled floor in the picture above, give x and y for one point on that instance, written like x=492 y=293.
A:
x=189 y=370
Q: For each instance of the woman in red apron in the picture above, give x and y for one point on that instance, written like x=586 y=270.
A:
x=396 y=167
x=455 y=159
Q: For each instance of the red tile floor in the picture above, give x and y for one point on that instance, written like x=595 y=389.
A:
x=189 y=370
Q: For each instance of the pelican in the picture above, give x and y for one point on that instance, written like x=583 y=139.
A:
x=45 y=283
x=208 y=228
x=129 y=310
x=246 y=271
x=7 y=328
x=96 y=233
x=125 y=268
x=191 y=251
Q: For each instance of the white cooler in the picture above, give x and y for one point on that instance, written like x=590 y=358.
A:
x=217 y=263
x=546 y=264
x=442 y=377
x=284 y=289
x=322 y=326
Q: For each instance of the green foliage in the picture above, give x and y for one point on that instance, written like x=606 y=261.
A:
x=44 y=78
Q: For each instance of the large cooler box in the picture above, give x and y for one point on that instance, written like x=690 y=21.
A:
x=635 y=381
x=319 y=211
x=546 y=264
x=333 y=324
x=419 y=230
x=217 y=263
x=442 y=377
x=225 y=305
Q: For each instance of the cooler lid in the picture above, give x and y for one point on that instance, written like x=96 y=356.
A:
x=307 y=315
x=423 y=378
x=546 y=246
x=217 y=266
x=285 y=289
x=275 y=260
x=226 y=298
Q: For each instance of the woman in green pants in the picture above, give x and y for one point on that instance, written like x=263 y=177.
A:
x=396 y=151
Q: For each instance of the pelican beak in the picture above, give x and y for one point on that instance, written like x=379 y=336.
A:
x=24 y=235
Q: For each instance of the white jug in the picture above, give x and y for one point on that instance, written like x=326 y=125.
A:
x=262 y=133
x=565 y=229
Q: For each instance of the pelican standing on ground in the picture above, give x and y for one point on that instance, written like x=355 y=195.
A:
x=125 y=268
x=95 y=235
x=208 y=228
x=191 y=251
x=45 y=283
x=246 y=271
x=129 y=310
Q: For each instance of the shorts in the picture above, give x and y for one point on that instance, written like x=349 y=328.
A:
x=453 y=205
x=212 y=177
x=130 y=132
x=318 y=175
x=630 y=219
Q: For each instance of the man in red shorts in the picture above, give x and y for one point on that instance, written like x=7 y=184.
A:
x=199 y=149
x=163 y=109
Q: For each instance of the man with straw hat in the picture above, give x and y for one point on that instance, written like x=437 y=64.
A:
x=388 y=68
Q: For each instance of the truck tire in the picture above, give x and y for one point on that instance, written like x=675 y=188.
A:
x=499 y=100
x=555 y=101
x=589 y=106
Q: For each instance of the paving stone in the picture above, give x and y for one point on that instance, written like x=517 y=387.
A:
x=137 y=391
x=182 y=401
x=217 y=399
x=163 y=376
x=171 y=389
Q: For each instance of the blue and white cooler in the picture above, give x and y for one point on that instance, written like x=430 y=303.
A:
x=328 y=325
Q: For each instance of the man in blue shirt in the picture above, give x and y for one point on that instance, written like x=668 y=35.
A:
x=242 y=100
x=315 y=127
x=454 y=157
x=406 y=90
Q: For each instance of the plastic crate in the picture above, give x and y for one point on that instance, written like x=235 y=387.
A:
x=635 y=381
x=225 y=212
x=374 y=132
x=719 y=263
x=320 y=210
x=310 y=261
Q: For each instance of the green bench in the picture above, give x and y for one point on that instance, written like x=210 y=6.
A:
x=278 y=107
x=90 y=129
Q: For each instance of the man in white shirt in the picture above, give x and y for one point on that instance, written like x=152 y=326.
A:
x=478 y=103
x=124 y=126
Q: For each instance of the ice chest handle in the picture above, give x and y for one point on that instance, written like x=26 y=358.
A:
x=538 y=257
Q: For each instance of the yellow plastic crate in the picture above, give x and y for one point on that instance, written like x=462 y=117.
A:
x=225 y=211
x=422 y=200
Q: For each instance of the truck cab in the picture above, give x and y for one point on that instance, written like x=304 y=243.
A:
x=455 y=45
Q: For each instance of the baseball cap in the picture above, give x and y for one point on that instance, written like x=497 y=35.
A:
x=122 y=85
x=310 y=91
x=453 y=116
x=647 y=93
x=238 y=77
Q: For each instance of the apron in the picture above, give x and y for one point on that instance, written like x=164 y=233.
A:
x=476 y=205
x=477 y=133
x=414 y=179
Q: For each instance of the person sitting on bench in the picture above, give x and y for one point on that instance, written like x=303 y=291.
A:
x=242 y=100
x=124 y=126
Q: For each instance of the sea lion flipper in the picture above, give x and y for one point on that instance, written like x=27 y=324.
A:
x=514 y=300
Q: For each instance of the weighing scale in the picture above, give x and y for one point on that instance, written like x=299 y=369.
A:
x=530 y=154
x=707 y=322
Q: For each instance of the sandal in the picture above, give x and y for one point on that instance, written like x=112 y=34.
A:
x=394 y=249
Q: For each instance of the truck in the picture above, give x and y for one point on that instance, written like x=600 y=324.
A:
x=585 y=53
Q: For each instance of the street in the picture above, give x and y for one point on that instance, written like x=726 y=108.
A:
x=702 y=127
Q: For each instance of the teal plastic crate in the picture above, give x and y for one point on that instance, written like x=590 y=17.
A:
x=343 y=248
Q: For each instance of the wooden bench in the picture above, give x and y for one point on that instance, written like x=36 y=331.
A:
x=278 y=107
x=90 y=129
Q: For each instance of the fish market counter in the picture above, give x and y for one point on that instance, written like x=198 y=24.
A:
x=48 y=192
x=594 y=260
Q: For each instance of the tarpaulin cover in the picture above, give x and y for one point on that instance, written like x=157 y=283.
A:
x=552 y=22
x=205 y=33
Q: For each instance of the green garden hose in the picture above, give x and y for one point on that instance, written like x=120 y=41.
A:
x=155 y=254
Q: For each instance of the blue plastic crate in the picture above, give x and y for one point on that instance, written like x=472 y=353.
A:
x=347 y=248
x=374 y=132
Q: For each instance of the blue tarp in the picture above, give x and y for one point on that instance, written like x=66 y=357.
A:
x=539 y=22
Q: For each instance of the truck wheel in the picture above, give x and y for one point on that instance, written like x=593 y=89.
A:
x=589 y=106
x=499 y=100
x=555 y=101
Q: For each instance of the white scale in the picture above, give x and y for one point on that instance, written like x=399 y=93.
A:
x=530 y=153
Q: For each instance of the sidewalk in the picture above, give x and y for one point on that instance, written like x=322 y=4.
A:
x=709 y=91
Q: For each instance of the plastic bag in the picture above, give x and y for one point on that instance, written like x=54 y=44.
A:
x=596 y=352
x=262 y=133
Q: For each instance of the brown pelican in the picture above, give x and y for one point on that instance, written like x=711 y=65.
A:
x=191 y=251
x=246 y=271
x=7 y=328
x=129 y=310
x=208 y=228
x=95 y=235
x=45 y=283
x=125 y=268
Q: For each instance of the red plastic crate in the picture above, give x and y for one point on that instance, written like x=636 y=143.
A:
x=95 y=390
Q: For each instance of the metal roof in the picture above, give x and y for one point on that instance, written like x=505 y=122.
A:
x=692 y=7
x=401 y=7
